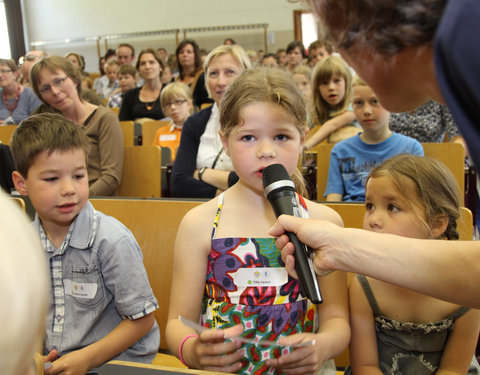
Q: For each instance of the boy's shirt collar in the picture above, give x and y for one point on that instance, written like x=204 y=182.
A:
x=82 y=238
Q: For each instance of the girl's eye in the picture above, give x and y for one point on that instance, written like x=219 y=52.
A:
x=357 y=103
x=247 y=138
x=374 y=101
x=393 y=208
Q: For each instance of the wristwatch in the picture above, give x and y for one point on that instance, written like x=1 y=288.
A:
x=200 y=173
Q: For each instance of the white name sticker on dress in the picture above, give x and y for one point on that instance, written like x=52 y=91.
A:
x=268 y=276
x=80 y=290
x=168 y=137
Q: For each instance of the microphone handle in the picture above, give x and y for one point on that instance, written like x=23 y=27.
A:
x=285 y=202
x=305 y=271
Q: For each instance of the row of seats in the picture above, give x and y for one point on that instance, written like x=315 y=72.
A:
x=142 y=175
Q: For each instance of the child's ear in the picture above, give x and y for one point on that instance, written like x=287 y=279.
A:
x=19 y=182
x=224 y=142
x=439 y=226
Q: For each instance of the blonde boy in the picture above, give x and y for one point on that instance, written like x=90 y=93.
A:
x=111 y=69
x=101 y=301
x=352 y=159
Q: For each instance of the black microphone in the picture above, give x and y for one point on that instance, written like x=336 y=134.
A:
x=280 y=191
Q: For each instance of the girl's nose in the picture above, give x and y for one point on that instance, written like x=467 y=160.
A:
x=265 y=150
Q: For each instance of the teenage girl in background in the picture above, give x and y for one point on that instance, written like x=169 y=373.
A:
x=263 y=122
x=395 y=330
x=330 y=105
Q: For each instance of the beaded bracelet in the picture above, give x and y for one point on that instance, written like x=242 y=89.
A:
x=180 y=356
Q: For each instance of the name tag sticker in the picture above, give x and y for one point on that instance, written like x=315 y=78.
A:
x=267 y=276
x=168 y=137
x=80 y=290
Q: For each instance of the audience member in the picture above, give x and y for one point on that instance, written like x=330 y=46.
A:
x=143 y=103
x=163 y=54
x=167 y=75
x=318 y=50
x=330 y=105
x=229 y=42
x=102 y=81
x=177 y=104
x=23 y=291
x=408 y=52
x=26 y=63
x=282 y=57
x=431 y=122
x=190 y=72
x=127 y=80
x=302 y=76
x=270 y=60
x=352 y=159
x=203 y=55
x=79 y=62
x=252 y=55
x=101 y=302
x=202 y=168
x=18 y=102
x=295 y=55
x=261 y=106
x=111 y=69
x=57 y=83
x=125 y=54
x=396 y=330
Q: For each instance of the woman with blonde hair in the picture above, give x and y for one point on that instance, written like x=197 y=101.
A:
x=202 y=168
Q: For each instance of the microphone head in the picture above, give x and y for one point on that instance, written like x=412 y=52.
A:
x=276 y=176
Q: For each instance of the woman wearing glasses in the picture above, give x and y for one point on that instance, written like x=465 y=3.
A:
x=17 y=102
x=58 y=83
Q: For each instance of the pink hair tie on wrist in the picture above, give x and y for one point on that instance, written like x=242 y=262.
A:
x=180 y=356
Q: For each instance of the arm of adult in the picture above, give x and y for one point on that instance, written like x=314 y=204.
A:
x=448 y=270
x=209 y=351
x=328 y=128
x=110 y=144
x=184 y=184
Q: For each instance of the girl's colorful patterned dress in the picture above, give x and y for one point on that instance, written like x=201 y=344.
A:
x=266 y=312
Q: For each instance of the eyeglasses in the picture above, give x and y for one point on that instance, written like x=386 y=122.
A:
x=176 y=103
x=4 y=71
x=57 y=83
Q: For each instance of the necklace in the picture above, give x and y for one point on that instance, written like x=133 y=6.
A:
x=150 y=105
x=11 y=108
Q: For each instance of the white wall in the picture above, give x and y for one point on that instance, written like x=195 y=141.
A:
x=47 y=20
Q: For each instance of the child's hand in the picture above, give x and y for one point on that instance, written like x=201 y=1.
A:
x=302 y=360
x=74 y=363
x=52 y=356
x=213 y=351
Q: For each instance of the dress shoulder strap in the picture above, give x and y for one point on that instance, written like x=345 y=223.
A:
x=458 y=313
x=367 y=289
x=217 y=215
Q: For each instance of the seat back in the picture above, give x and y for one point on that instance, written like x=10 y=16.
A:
x=6 y=132
x=149 y=129
x=142 y=172
x=128 y=132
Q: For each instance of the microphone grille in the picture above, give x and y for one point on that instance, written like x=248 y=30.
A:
x=273 y=173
